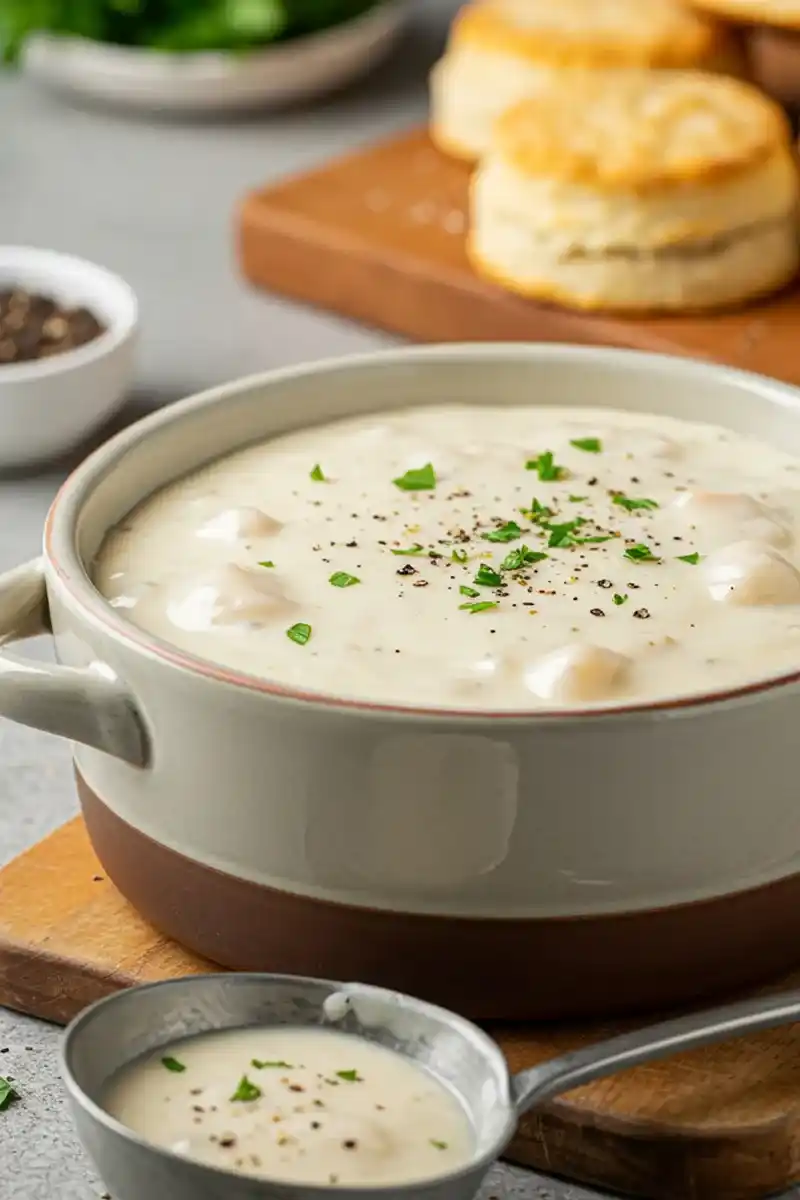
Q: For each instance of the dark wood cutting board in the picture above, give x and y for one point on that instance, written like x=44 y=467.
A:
x=717 y=1124
x=379 y=237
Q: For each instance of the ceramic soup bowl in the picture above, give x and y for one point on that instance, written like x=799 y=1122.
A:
x=585 y=862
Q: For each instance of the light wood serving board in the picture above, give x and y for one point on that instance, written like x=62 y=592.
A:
x=379 y=237
x=721 y=1123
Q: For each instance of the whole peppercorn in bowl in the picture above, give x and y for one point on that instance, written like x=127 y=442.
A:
x=67 y=335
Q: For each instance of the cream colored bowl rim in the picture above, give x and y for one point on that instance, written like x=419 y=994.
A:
x=62 y=554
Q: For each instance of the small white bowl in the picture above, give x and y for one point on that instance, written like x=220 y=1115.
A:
x=136 y=78
x=51 y=405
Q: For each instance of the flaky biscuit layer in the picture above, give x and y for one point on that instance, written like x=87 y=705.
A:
x=645 y=130
x=592 y=33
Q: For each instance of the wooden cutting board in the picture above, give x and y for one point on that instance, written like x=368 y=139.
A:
x=721 y=1123
x=379 y=237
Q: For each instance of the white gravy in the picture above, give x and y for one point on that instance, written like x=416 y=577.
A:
x=696 y=587
x=303 y=1105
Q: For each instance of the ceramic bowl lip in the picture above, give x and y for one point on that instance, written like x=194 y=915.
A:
x=112 y=300
x=61 y=551
x=80 y=1027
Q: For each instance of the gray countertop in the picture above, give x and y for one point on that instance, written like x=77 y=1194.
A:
x=154 y=201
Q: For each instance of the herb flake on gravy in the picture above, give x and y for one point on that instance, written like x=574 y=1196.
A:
x=422 y=509
x=326 y=1108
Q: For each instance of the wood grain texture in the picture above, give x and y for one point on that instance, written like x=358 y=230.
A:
x=722 y=1123
x=379 y=237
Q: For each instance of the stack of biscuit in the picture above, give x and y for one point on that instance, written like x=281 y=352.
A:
x=622 y=163
x=501 y=51
x=773 y=38
x=668 y=191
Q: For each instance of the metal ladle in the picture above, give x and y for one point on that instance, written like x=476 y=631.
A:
x=116 y=1031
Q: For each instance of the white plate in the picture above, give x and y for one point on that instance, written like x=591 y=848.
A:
x=136 y=78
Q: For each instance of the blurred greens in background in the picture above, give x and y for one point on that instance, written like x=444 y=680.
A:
x=172 y=25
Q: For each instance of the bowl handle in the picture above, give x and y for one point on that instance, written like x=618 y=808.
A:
x=75 y=703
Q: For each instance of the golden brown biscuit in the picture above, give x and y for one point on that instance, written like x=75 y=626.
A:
x=500 y=51
x=785 y=13
x=653 y=191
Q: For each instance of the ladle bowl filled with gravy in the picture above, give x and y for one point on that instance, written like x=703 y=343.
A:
x=470 y=670
x=244 y=1087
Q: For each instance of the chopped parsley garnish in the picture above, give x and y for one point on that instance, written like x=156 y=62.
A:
x=589 y=541
x=479 y=606
x=267 y=563
x=619 y=599
x=521 y=557
x=590 y=445
x=694 y=559
x=468 y=591
x=641 y=553
x=260 y=1066
x=537 y=512
x=459 y=556
x=632 y=504
x=506 y=533
x=545 y=467
x=351 y=1076
x=438 y=1145
x=487 y=577
x=420 y=479
x=299 y=633
x=8 y=1093
x=342 y=579
x=246 y=1091
x=317 y=474
x=410 y=551
x=562 y=535
x=172 y=1064
x=577 y=499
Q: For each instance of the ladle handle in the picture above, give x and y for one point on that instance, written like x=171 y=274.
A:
x=571 y=1070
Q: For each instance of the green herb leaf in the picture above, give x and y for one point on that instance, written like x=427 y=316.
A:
x=438 y=1145
x=246 y=1091
x=506 y=533
x=578 y=499
x=410 y=551
x=590 y=445
x=299 y=633
x=480 y=606
x=545 y=467
x=619 y=599
x=459 y=556
x=521 y=557
x=563 y=535
x=641 y=554
x=468 y=591
x=172 y=1064
x=8 y=1094
x=266 y=564
x=351 y=1076
x=317 y=474
x=632 y=504
x=422 y=479
x=342 y=580
x=487 y=577
x=606 y=537
x=539 y=513
x=260 y=1066
x=694 y=559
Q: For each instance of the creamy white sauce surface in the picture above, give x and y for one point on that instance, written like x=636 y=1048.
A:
x=298 y=1104
x=563 y=557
